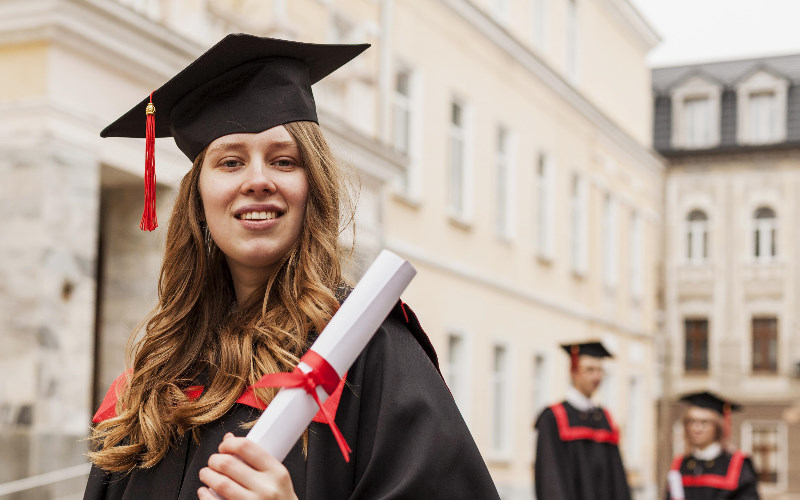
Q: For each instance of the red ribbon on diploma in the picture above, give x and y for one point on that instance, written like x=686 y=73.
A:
x=321 y=374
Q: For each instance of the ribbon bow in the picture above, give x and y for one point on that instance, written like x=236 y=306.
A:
x=321 y=374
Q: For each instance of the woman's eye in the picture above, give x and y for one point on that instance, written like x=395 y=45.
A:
x=283 y=163
x=231 y=163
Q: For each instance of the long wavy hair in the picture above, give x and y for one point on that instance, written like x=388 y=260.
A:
x=197 y=329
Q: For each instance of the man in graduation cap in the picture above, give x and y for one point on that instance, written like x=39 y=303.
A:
x=577 y=454
x=708 y=471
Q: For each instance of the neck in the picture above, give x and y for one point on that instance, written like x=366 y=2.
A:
x=708 y=452
x=247 y=280
x=578 y=399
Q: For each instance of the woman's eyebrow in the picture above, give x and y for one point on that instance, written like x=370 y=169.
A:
x=225 y=146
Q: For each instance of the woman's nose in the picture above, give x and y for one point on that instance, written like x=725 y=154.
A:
x=258 y=178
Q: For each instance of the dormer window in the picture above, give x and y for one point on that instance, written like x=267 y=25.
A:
x=761 y=102
x=695 y=114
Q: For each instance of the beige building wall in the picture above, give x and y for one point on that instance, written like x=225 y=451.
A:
x=479 y=290
x=560 y=270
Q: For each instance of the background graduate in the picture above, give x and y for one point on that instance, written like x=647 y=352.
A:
x=252 y=271
x=708 y=471
x=577 y=454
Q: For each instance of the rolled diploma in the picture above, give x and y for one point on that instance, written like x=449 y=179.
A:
x=675 y=482
x=348 y=332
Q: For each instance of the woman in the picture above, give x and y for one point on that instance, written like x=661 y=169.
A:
x=709 y=471
x=252 y=271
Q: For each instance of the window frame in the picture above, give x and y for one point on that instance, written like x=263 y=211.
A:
x=461 y=214
x=693 y=89
x=501 y=451
x=766 y=365
x=697 y=237
x=765 y=235
x=545 y=183
x=761 y=82
x=462 y=394
x=782 y=452
x=692 y=363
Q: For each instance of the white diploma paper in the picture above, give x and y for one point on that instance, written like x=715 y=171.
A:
x=675 y=482
x=340 y=343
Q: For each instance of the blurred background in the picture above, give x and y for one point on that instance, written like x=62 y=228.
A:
x=557 y=171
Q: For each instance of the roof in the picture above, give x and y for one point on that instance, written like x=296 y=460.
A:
x=728 y=73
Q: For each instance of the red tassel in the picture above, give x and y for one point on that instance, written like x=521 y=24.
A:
x=149 y=221
x=574 y=352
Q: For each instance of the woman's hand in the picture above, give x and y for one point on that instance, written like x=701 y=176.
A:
x=242 y=470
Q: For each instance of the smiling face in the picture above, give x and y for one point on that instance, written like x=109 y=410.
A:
x=702 y=426
x=254 y=191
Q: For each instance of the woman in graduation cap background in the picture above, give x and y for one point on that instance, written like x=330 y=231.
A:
x=709 y=471
x=251 y=273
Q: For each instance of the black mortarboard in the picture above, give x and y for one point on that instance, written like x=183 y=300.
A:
x=710 y=401
x=243 y=84
x=593 y=349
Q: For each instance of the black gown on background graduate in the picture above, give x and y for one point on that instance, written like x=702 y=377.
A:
x=730 y=476
x=577 y=457
x=407 y=435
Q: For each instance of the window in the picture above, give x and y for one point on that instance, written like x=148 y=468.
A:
x=540 y=23
x=571 y=44
x=764 y=444
x=761 y=101
x=610 y=237
x=698 y=122
x=633 y=422
x=545 y=206
x=697 y=237
x=405 y=128
x=765 y=345
x=504 y=201
x=457 y=172
x=457 y=371
x=540 y=384
x=696 y=113
x=764 y=245
x=762 y=114
x=402 y=112
x=578 y=217
x=636 y=270
x=695 y=356
x=501 y=401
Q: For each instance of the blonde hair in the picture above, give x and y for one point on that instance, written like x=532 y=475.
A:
x=196 y=330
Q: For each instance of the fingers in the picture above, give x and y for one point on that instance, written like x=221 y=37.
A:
x=223 y=485
x=250 y=452
x=243 y=469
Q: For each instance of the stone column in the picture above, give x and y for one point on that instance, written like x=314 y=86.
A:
x=48 y=248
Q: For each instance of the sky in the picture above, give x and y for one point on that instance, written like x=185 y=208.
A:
x=709 y=30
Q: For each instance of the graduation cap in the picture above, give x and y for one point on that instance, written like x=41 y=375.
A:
x=243 y=84
x=710 y=401
x=593 y=349
x=713 y=402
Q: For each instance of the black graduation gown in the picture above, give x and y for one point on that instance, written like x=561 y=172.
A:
x=577 y=457
x=730 y=476
x=407 y=435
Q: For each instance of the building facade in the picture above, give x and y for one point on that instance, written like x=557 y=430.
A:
x=730 y=132
x=494 y=149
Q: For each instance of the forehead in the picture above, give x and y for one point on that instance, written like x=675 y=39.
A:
x=700 y=413
x=275 y=136
x=590 y=361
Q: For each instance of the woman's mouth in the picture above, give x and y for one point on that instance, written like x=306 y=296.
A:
x=257 y=215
